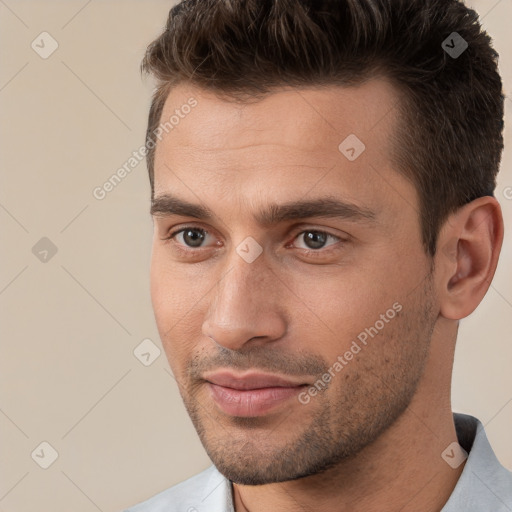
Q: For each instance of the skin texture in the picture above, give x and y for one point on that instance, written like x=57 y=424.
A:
x=373 y=438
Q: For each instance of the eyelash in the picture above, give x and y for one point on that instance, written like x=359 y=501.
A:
x=308 y=252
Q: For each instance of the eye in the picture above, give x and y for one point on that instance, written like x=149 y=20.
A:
x=189 y=236
x=315 y=239
x=190 y=239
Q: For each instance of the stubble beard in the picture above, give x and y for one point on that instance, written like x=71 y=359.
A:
x=364 y=400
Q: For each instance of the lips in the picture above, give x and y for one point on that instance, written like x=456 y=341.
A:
x=250 y=381
x=251 y=394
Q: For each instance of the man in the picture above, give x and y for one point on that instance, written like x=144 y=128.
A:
x=322 y=178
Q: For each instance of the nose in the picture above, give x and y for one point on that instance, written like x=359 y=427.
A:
x=245 y=308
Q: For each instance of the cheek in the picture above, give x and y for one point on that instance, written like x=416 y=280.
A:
x=175 y=288
x=178 y=300
x=333 y=309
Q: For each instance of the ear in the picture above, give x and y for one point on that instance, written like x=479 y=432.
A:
x=467 y=255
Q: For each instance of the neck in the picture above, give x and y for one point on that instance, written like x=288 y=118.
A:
x=401 y=470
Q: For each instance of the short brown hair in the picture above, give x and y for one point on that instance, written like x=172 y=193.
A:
x=449 y=141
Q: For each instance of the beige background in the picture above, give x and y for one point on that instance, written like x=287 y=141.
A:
x=69 y=325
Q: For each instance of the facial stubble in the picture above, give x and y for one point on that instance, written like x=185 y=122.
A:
x=362 y=402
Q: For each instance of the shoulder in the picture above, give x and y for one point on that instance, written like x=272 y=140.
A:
x=208 y=490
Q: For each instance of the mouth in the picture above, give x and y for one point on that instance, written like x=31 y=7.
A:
x=251 y=394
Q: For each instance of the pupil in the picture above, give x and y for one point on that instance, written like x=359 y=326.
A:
x=315 y=240
x=195 y=237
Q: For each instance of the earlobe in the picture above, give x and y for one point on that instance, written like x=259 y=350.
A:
x=468 y=250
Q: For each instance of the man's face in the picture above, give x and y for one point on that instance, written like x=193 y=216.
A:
x=298 y=340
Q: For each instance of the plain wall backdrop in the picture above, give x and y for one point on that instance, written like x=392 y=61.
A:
x=74 y=273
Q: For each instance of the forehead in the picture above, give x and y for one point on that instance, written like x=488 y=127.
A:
x=299 y=116
x=284 y=145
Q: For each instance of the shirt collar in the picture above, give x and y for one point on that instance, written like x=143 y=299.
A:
x=484 y=483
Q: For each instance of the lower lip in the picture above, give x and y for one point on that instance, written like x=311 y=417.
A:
x=250 y=402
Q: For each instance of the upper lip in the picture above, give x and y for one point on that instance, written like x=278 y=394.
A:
x=250 y=380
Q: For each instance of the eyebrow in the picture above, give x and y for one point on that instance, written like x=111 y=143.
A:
x=167 y=205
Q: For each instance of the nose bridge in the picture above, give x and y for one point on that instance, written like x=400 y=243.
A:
x=244 y=304
x=242 y=290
